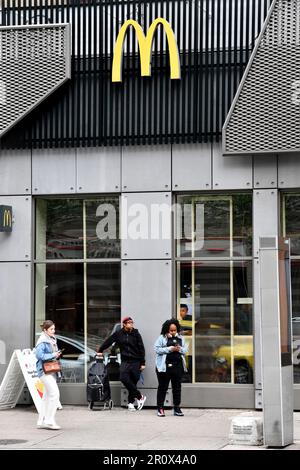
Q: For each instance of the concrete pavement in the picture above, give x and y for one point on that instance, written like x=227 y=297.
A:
x=199 y=429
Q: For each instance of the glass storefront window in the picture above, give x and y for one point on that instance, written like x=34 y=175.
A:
x=295 y=278
x=82 y=297
x=214 y=226
x=77 y=229
x=84 y=302
x=59 y=229
x=290 y=219
x=218 y=297
x=102 y=227
x=214 y=297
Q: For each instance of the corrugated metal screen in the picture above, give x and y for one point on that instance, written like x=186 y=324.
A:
x=215 y=40
x=265 y=116
x=34 y=61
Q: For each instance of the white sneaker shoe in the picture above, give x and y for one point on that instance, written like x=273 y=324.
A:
x=131 y=407
x=40 y=422
x=54 y=427
x=141 y=402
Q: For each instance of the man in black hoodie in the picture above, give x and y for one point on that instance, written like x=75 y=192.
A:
x=131 y=345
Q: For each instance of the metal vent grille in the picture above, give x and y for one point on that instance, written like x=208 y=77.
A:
x=267 y=242
x=265 y=114
x=34 y=61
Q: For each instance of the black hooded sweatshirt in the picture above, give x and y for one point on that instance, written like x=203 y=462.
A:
x=130 y=343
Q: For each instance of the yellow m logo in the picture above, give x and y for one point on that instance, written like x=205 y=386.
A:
x=145 y=48
x=6 y=218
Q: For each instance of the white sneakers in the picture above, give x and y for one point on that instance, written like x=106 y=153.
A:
x=55 y=427
x=43 y=425
x=141 y=402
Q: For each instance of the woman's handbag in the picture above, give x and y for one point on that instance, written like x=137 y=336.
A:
x=50 y=367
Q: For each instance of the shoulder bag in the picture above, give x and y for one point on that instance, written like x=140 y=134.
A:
x=49 y=367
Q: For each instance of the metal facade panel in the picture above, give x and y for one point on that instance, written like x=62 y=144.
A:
x=15 y=172
x=15 y=295
x=147 y=296
x=146 y=168
x=191 y=167
x=257 y=326
x=53 y=171
x=265 y=171
x=151 y=394
x=98 y=170
x=231 y=172
x=287 y=377
x=265 y=216
x=288 y=170
x=35 y=61
x=265 y=114
x=143 y=236
x=193 y=396
x=277 y=386
x=16 y=245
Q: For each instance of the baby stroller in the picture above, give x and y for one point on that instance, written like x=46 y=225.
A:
x=98 y=387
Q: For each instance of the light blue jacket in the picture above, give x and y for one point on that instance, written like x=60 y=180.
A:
x=161 y=349
x=43 y=352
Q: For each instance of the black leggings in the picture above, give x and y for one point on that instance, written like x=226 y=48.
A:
x=174 y=374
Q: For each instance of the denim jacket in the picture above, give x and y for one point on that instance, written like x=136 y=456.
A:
x=43 y=352
x=161 y=349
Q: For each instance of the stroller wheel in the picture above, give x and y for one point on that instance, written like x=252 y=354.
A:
x=90 y=405
x=110 y=404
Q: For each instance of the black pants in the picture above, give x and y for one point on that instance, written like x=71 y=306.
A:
x=175 y=375
x=129 y=376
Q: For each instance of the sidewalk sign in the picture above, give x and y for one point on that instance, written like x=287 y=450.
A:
x=21 y=368
x=12 y=384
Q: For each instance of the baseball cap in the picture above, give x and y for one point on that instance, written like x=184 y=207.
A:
x=126 y=319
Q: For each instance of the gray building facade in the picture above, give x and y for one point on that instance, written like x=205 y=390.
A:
x=100 y=232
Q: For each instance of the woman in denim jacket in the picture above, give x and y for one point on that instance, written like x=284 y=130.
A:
x=46 y=350
x=170 y=349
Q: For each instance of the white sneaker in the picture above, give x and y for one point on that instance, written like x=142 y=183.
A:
x=141 y=402
x=54 y=427
x=59 y=407
x=131 y=407
x=40 y=424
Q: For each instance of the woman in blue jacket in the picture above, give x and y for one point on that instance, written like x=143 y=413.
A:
x=46 y=350
x=170 y=349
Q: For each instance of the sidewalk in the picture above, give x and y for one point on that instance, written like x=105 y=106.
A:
x=199 y=429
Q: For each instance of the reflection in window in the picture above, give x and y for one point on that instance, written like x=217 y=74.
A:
x=60 y=297
x=77 y=229
x=218 y=295
x=295 y=276
x=59 y=229
x=102 y=227
x=291 y=221
x=219 y=226
x=290 y=217
x=81 y=297
x=103 y=306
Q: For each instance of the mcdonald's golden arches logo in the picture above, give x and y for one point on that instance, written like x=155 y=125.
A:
x=5 y=218
x=145 y=48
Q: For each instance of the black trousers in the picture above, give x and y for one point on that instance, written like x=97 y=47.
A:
x=129 y=376
x=174 y=374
